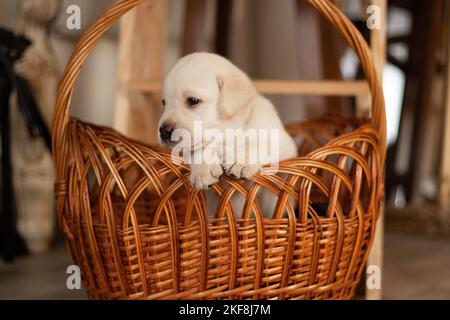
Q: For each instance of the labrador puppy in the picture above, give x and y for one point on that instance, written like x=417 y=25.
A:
x=207 y=91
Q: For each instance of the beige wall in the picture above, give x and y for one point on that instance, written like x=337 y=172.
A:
x=94 y=96
x=264 y=42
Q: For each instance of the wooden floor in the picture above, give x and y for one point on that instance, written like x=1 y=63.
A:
x=416 y=267
x=38 y=277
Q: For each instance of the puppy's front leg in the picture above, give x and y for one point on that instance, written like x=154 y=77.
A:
x=204 y=173
x=242 y=161
x=242 y=170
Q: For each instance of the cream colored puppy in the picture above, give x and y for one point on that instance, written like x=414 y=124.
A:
x=207 y=89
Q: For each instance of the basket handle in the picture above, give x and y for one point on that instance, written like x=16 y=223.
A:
x=88 y=41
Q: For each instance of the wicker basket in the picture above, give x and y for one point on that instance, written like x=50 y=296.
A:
x=139 y=231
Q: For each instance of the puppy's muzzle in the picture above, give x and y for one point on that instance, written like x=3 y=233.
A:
x=165 y=132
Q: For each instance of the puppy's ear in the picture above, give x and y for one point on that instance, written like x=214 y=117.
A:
x=236 y=91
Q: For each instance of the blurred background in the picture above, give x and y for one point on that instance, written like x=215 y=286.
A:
x=285 y=40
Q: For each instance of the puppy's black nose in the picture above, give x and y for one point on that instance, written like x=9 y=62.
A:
x=165 y=132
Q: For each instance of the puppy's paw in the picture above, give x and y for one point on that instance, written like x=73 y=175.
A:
x=204 y=176
x=244 y=171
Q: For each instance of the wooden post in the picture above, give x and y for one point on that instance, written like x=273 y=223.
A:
x=308 y=24
x=445 y=162
x=194 y=38
x=141 y=52
x=378 y=45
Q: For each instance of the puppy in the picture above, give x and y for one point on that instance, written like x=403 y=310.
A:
x=207 y=90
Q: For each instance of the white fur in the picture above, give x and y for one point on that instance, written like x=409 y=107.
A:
x=229 y=100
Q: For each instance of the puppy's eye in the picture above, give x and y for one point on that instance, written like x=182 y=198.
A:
x=193 y=101
x=163 y=102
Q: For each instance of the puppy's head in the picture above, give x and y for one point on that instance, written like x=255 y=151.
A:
x=202 y=87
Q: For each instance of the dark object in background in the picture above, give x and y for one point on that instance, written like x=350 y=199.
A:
x=320 y=208
x=12 y=49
